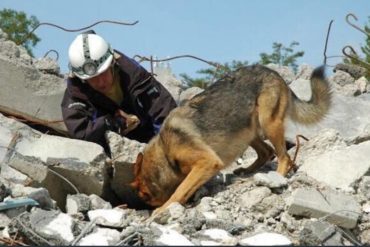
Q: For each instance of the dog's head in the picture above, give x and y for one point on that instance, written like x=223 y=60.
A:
x=154 y=178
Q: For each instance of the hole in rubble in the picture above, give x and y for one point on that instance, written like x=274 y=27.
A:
x=34 y=125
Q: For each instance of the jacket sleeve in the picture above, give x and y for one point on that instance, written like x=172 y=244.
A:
x=150 y=95
x=82 y=122
x=155 y=99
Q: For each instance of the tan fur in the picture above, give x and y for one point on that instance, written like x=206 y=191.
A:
x=210 y=131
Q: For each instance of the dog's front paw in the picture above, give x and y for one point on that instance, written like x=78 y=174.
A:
x=160 y=216
x=158 y=211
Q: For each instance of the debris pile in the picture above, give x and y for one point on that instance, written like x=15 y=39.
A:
x=59 y=191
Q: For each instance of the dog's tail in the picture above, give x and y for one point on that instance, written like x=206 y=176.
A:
x=314 y=110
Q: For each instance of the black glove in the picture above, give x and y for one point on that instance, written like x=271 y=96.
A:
x=116 y=124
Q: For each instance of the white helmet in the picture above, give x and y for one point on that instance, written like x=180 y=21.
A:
x=89 y=55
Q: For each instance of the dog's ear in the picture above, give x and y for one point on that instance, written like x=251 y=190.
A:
x=137 y=165
x=137 y=168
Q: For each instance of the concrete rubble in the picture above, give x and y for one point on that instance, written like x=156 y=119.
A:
x=59 y=191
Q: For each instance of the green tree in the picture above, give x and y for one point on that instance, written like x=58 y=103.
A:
x=17 y=25
x=211 y=74
x=282 y=55
x=366 y=48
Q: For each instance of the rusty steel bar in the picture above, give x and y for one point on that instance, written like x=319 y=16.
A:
x=73 y=30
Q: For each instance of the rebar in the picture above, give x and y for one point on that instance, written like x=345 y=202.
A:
x=26 y=36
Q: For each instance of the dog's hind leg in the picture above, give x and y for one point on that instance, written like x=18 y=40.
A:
x=264 y=154
x=275 y=133
x=272 y=106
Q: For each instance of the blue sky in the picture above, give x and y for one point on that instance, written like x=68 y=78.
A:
x=215 y=30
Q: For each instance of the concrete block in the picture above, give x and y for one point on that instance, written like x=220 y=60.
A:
x=266 y=239
x=77 y=203
x=13 y=175
x=108 y=217
x=336 y=168
x=123 y=150
x=219 y=236
x=71 y=175
x=271 y=179
x=38 y=95
x=338 y=209
x=101 y=237
x=319 y=233
x=168 y=236
x=4 y=220
x=5 y=138
x=42 y=196
x=98 y=203
x=254 y=196
x=53 y=225
x=30 y=166
x=47 y=147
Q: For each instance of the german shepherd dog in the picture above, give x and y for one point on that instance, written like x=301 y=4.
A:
x=211 y=130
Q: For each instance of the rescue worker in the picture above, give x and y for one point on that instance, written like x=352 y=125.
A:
x=106 y=90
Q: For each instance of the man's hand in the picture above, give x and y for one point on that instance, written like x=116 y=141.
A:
x=132 y=121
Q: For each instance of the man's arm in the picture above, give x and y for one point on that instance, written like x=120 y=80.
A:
x=156 y=101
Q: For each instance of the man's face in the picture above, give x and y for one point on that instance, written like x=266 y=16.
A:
x=103 y=82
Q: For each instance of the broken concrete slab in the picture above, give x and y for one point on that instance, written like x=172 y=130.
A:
x=62 y=176
x=32 y=167
x=51 y=227
x=78 y=203
x=47 y=146
x=108 y=217
x=164 y=75
x=89 y=178
x=336 y=167
x=13 y=175
x=337 y=208
x=271 y=179
x=254 y=196
x=266 y=239
x=101 y=237
x=83 y=161
x=98 y=203
x=38 y=95
x=47 y=65
x=6 y=137
x=167 y=236
x=74 y=177
x=122 y=149
x=41 y=195
x=348 y=115
x=4 y=220
x=318 y=233
x=124 y=152
x=30 y=142
x=218 y=236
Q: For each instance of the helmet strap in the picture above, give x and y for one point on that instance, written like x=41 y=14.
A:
x=86 y=46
